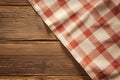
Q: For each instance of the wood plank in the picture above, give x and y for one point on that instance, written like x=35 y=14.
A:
x=44 y=78
x=45 y=62
x=18 y=12
x=39 y=65
x=14 y=2
x=32 y=48
x=22 y=23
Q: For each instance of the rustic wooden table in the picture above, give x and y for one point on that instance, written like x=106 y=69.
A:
x=29 y=50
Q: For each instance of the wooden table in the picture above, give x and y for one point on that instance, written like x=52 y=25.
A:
x=29 y=50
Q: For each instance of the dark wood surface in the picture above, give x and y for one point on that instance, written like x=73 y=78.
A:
x=29 y=50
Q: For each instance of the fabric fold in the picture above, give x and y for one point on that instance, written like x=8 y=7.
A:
x=89 y=29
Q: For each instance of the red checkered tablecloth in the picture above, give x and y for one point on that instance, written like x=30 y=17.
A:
x=89 y=29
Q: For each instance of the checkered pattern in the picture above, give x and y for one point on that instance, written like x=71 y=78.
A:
x=89 y=29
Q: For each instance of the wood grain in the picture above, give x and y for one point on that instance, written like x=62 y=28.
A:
x=32 y=48
x=39 y=65
x=14 y=2
x=22 y=23
x=45 y=78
